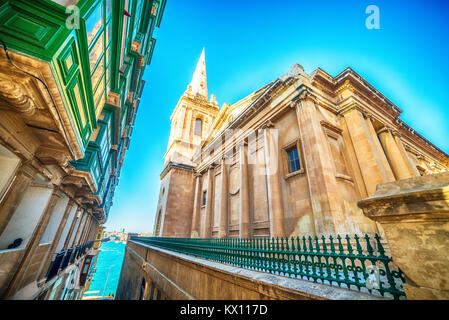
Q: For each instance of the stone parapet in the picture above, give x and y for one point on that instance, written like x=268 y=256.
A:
x=167 y=271
x=415 y=216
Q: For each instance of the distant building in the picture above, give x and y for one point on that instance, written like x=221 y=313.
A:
x=69 y=94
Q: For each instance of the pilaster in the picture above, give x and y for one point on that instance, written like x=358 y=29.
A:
x=245 y=223
x=78 y=216
x=324 y=196
x=275 y=207
x=368 y=156
x=209 y=203
x=223 y=229
x=397 y=162
x=196 y=207
x=54 y=244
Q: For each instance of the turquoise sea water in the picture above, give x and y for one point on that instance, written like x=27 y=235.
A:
x=109 y=261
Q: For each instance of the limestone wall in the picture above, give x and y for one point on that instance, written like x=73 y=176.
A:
x=180 y=276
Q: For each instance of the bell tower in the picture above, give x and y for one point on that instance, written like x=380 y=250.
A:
x=192 y=118
x=190 y=124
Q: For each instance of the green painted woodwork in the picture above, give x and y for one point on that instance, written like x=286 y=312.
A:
x=347 y=262
x=86 y=67
x=75 y=90
x=149 y=52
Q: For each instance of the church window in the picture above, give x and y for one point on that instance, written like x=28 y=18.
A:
x=204 y=198
x=198 y=127
x=293 y=159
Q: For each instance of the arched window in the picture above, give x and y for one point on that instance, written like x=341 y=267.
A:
x=198 y=127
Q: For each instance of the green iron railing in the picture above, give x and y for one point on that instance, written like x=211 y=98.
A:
x=332 y=261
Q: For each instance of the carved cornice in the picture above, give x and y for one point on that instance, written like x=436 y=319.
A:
x=394 y=132
x=267 y=125
x=368 y=115
x=350 y=107
x=345 y=86
x=173 y=165
x=305 y=93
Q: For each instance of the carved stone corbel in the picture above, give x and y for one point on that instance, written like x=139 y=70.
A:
x=13 y=94
x=49 y=155
x=113 y=99
x=72 y=180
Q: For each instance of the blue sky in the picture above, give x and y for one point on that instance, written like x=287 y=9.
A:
x=250 y=43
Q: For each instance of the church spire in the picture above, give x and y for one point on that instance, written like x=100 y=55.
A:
x=198 y=85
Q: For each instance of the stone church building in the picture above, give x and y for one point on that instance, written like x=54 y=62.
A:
x=292 y=158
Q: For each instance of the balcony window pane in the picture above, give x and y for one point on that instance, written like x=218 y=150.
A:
x=108 y=55
x=108 y=33
x=99 y=91
x=108 y=8
x=97 y=74
x=93 y=23
x=96 y=52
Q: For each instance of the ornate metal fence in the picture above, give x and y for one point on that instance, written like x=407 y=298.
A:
x=358 y=264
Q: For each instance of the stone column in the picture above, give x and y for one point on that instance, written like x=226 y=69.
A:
x=89 y=231
x=368 y=157
x=93 y=226
x=95 y=230
x=380 y=151
x=85 y=229
x=196 y=207
x=82 y=218
x=275 y=207
x=56 y=238
x=78 y=216
x=223 y=228
x=324 y=195
x=411 y=166
x=415 y=216
x=32 y=245
x=23 y=178
x=245 y=223
x=209 y=203
x=397 y=162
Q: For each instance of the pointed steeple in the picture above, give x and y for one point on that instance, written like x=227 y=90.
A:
x=198 y=85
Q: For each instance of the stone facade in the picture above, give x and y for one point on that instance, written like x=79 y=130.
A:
x=151 y=273
x=232 y=172
x=415 y=216
x=68 y=102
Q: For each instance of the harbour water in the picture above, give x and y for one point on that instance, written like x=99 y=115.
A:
x=109 y=264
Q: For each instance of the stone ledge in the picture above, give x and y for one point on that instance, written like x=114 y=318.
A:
x=415 y=199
